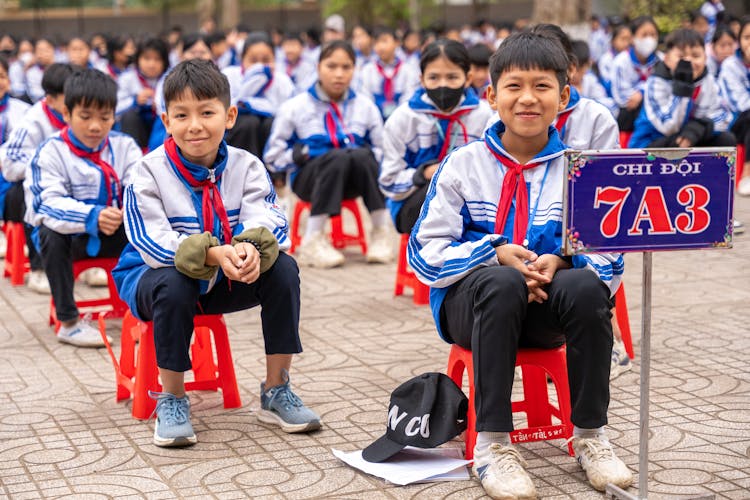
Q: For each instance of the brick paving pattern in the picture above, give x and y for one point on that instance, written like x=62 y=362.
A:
x=62 y=435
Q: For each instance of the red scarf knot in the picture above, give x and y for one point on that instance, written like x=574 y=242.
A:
x=452 y=118
x=111 y=179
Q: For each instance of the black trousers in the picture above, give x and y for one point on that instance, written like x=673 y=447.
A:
x=61 y=250
x=250 y=132
x=339 y=174
x=410 y=210
x=137 y=125
x=626 y=118
x=488 y=312
x=718 y=140
x=741 y=129
x=13 y=211
x=171 y=300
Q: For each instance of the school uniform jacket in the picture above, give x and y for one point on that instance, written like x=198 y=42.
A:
x=592 y=88
x=589 y=124
x=16 y=153
x=66 y=193
x=372 y=83
x=664 y=114
x=307 y=118
x=161 y=210
x=303 y=74
x=605 y=66
x=413 y=136
x=129 y=85
x=10 y=118
x=17 y=75
x=258 y=90
x=33 y=79
x=455 y=234
x=734 y=80
x=629 y=75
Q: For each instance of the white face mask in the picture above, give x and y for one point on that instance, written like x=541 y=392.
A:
x=646 y=46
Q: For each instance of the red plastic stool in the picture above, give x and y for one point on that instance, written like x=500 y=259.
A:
x=536 y=364
x=740 y=165
x=16 y=263
x=625 y=139
x=118 y=307
x=137 y=372
x=623 y=320
x=406 y=278
x=339 y=238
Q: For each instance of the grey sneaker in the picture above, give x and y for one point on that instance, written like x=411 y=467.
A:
x=280 y=406
x=620 y=361
x=602 y=466
x=173 y=426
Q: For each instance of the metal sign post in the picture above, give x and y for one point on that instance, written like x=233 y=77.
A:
x=645 y=201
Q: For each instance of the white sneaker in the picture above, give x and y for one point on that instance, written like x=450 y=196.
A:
x=737 y=227
x=504 y=476
x=95 y=277
x=317 y=251
x=3 y=244
x=82 y=334
x=380 y=247
x=38 y=283
x=602 y=467
x=743 y=189
x=620 y=361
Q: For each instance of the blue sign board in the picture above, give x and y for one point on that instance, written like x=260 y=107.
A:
x=636 y=200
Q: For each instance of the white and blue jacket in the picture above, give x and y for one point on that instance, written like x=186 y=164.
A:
x=129 y=85
x=66 y=193
x=258 y=90
x=27 y=135
x=303 y=119
x=455 y=233
x=734 y=80
x=304 y=74
x=372 y=83
x=162 y=209
x=629 y=75
x=592 y=88
x=33 y=81
x=606 y=69
x=17 y=75
x=413 y=137
x=10 y=118
x=664 y=114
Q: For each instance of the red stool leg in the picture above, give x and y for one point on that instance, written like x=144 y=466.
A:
x=204 y=369
x=299 y=208
x=16 y=264
x=740 y=164
x=147 y=375
x=338 y=240
x=361 y=238
x=401 y=271
x=460 y=360
x=536 y=396
x=623 y=320
x=227 y=377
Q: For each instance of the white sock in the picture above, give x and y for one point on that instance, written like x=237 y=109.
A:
x=379 y=218
x=315 y=224
x=484 y=440
x=589 y=433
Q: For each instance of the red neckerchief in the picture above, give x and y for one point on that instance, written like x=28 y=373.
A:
x=3 y=119
x=562 y=119
x=53 y=118
x=331 y=128
x=110 y=176
x=514 y=186
x=143 y=80
x=388 y=80
x=114 y=71
x=4 y=103
x=211 y=202
x=452 y=118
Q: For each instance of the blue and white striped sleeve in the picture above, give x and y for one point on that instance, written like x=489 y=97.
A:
x=146 y=223
x=436 y=251
x=278 y=151
x=395 y=175
x=608 y=266
x=733 y=81
x=664 y=110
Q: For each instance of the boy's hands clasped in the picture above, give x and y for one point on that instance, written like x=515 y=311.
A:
x=110 y=219
x=240 y=262
x=537 y=270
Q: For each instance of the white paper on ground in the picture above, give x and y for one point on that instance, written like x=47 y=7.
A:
x=412 y=465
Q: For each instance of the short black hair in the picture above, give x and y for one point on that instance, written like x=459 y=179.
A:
x=382 y=31
x=329 y=48
x=638 y=22
x=157 y=45
x=479 y=55
x=4 y=63
x=115 y=44
x=556 y=32
x=255 y=38
x=293 y=36
x=215 y=37
x=90 y=87
x=54 y=77
x=581 y=52
x=721 y=31
x=200 y=77
x=451 y=50
x=187 y=41
x=682 y=38
x=526 y=50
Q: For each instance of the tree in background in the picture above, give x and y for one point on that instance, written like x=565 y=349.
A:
x=669 y=14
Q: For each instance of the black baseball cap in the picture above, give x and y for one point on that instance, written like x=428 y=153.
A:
x=424 y=412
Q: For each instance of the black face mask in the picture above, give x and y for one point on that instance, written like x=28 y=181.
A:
x=445 y=98
x=7 y=53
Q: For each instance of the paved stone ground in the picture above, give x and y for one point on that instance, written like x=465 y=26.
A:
x=63 y=435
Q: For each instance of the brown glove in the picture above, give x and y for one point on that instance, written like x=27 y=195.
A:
x=190 y=257
x=266 y=243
